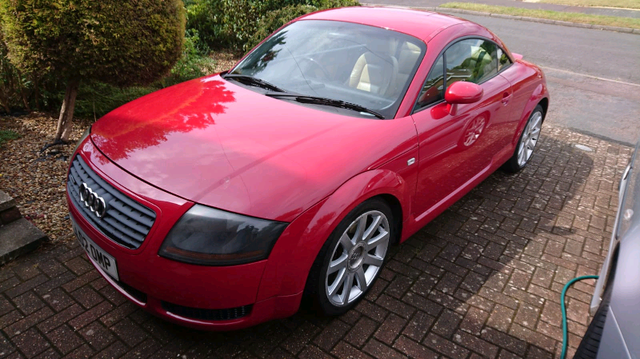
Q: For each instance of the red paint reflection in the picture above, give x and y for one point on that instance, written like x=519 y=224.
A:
x=147 y=121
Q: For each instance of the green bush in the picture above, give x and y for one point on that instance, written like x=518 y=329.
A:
x=275 y=19
x=278 y=17
x=123 y=43
x=234 y=24
x=222 y=23
x=97 y=99
x=193 y=63
x=270 y=5
x=119 y=42
x=14 y=87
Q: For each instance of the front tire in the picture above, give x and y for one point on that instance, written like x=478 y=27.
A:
x=527 y=143
x=351 y=259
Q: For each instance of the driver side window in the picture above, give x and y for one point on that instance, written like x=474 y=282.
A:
x=433 y=89
x=472 y=60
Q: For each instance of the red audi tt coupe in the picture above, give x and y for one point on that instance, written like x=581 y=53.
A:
x=222 y=202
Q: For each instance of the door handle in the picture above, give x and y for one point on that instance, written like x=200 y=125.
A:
x=505 y=98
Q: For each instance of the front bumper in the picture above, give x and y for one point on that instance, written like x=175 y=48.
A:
x=201 y=297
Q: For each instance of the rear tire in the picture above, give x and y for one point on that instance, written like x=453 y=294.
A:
x=527 y=142
x=590 y=343
x=588 y=348
x=351 y=258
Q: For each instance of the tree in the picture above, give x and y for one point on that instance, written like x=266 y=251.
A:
x=123 y=43
x=11 y=81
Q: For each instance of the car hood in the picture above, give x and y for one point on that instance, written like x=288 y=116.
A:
x=219 y=144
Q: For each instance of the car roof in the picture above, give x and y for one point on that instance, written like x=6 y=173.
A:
x=421 y=24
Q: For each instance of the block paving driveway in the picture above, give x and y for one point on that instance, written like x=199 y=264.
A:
x=482 y=280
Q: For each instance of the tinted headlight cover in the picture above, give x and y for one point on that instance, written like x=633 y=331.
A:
x=209 y=236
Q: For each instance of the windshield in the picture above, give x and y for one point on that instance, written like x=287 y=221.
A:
x=363 y=65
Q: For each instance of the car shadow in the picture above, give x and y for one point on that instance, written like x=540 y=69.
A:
x=484 y=277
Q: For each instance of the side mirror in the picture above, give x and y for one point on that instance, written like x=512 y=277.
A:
x=463 y=92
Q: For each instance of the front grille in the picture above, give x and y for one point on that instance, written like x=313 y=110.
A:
x=207 y=314
x=126 y=221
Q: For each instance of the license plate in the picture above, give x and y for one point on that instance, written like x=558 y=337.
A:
x=98 y=256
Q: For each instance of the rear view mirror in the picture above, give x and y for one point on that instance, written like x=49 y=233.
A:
x=463 y=92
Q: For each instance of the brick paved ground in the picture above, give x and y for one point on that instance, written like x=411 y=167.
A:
x=482 y=280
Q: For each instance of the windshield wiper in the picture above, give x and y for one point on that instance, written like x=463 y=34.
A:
x=253 y=81
x=326 y=102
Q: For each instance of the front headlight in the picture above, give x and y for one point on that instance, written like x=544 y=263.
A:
x=209 y=236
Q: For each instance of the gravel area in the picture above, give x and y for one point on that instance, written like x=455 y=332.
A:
x=225 y=60
x=36 y=178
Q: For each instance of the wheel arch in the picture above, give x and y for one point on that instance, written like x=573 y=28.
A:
x=379 y=183
x=307 y=234
x=540 y=96
x=396 y=210
x=544 y=102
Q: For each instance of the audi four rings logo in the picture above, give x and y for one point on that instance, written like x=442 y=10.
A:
x=93 y=201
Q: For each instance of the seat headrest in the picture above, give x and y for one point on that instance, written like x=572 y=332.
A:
x=409 y=54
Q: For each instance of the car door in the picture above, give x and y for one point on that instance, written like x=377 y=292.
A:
x=457 y=143
x=518 y=76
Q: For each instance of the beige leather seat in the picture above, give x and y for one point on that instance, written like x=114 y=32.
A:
x=374 y=73
x=409 y=54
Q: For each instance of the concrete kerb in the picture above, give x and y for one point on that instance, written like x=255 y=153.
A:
x=523 y=18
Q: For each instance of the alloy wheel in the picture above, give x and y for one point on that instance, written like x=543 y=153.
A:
x=357 y=258
x=530 y=138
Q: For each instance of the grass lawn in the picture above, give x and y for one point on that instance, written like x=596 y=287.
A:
x=546 y=14
x=628 y=4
